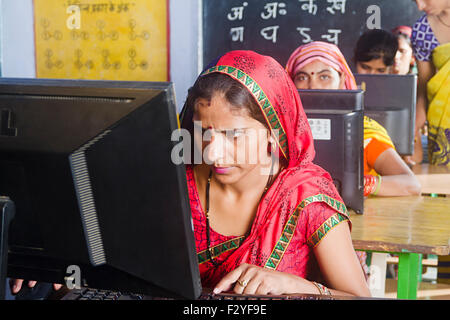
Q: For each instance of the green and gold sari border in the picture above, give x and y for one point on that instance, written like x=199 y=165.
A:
x=217 y=250
x=329 y=224
x=263 y=101
x=288 y=231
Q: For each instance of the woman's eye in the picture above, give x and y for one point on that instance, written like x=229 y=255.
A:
x=325 y=77
x=365 y=67
x=301 y=78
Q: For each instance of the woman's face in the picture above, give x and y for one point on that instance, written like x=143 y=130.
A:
x=433 y=7
x=233 y=144
x=403 y=58
x=374 y=66
x=318 y=75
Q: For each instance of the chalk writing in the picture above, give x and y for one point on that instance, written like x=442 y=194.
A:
x=332 y=36
x=237 y=34
x=309 y=6
x=270 y=33
x=272 y=9
x=304 y=33
x=338 y=5
x=237 y=12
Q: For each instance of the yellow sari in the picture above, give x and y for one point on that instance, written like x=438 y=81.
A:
x=374 y=130
x=438 y=116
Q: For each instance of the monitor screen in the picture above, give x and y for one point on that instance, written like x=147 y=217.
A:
x=391 y=101
x=336 y=121
x=88 y=166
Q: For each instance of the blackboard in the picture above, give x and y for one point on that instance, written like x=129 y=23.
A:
x=278 y=28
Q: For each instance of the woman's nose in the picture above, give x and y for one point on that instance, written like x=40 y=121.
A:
x=214 y=151
x=420 y=5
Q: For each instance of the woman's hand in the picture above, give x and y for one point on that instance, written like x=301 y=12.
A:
x=16 y=285
x=251 y=279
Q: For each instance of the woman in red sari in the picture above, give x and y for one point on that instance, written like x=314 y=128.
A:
x=257 y=233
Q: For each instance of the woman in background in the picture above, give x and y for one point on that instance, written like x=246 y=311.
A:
x=375 y=52
x=321 y=65
x=405 y=63
x=431 y=44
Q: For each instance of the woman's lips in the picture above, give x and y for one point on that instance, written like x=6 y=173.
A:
x=222 y=170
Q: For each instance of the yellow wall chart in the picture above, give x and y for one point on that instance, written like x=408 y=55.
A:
x=102 y=39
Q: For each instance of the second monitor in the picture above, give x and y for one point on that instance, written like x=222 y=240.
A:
x=391 y=101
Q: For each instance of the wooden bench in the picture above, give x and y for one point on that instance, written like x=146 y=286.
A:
x=425 y=262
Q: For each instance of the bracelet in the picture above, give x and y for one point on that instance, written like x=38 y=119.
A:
x=322 y=289
x=378 y=186
x=369 y=184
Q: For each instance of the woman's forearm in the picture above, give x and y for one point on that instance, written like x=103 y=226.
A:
x=399 y=185
x=308 y=287
x=421 y=112
x=426 y=72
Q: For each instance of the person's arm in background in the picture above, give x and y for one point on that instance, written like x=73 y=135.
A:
x=397 y=179
x=425 y=72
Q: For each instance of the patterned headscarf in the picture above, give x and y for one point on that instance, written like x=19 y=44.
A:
x=325 y=52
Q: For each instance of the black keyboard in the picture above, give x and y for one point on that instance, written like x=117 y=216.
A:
x=232 y=296
x=95 y=294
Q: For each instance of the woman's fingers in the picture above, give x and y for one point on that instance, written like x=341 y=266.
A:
x=253 y=282
x=16 y=285
x=248 y=282
x=226 y=284
x=57 y=286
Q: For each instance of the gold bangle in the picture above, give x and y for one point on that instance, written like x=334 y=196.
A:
x=322 y=289
x=318 y=287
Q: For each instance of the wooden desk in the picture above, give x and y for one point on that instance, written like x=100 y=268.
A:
x=434 y=179
x=407 y=226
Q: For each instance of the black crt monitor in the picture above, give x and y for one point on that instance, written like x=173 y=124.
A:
x=88 y=166
x=336 y=121
x=391 y=101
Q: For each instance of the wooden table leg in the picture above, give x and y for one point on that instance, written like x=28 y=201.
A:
x=408 y=275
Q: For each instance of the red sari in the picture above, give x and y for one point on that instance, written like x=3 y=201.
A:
x=300 y=207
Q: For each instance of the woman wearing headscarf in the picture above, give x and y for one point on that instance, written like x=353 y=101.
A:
x=272 y=226
x=431 y=44
x=321 y=65
x=404 y=64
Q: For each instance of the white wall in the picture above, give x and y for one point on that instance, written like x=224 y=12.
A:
x=17 y=39
x=185 y=44
x=17 y=42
